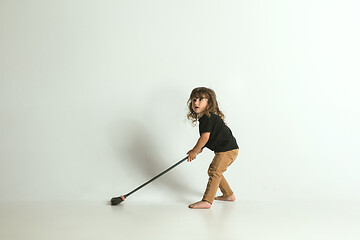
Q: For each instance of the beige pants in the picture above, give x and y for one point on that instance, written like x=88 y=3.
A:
x=217 y=167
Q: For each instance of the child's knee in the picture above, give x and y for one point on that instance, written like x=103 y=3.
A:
x=214 y=172
x=211 y=170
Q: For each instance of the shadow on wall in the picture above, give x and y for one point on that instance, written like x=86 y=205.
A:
x=144 y=158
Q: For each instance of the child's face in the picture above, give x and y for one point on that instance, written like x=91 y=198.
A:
x=199 y=104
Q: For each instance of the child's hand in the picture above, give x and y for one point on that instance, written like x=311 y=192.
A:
x=191 y=155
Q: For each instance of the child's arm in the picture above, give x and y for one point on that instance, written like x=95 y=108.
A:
x=204 y=138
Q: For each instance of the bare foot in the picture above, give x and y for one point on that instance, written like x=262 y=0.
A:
x=222 y=198
x=200 y=205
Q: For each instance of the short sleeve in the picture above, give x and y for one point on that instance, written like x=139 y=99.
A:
x=206 y=125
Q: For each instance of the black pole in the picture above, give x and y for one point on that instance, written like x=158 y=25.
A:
x=117 y=200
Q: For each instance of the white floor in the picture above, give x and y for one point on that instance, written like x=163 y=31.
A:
x=164 y=220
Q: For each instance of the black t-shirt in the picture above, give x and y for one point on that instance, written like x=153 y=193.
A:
x=221 y=138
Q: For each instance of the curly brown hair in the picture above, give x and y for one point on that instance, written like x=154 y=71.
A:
x=212 y=107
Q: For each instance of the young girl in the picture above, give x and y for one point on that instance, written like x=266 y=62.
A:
x=216 y=136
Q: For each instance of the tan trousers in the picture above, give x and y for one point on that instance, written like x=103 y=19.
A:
x=217 y=167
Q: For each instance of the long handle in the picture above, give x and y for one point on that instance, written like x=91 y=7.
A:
x=117 y=200
x=157 y=176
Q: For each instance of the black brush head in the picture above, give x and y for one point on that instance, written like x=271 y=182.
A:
x=117 y=200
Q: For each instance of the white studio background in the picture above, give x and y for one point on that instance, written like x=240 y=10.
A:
x=93 y=97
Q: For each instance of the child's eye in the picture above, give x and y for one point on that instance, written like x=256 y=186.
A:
x=200 y=99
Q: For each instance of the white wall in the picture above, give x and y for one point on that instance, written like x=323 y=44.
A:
x=93 y=97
